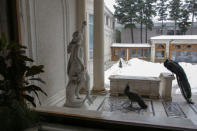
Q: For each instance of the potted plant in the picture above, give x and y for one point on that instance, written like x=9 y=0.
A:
x=16 y=87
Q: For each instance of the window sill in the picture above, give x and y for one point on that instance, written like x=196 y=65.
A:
x=109 y=120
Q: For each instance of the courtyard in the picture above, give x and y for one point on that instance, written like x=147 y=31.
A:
x=175 y=113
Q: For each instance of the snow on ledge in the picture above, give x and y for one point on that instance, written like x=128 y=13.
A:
x=130 y=45
x=175 y=37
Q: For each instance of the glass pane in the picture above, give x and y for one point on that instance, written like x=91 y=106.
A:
x=91 y=36
x=91 y=54
x=174 y=55
x=146 y=52
x=185 y=56
x=194 y=56
x=160 y=47
x=115 y=52
x=133 y=53
x=140 y=53
x=160 y=54
x=91 y=19
x=121 y=53
x=177 y=47
x=188 y=47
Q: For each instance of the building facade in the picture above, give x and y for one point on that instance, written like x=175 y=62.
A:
x=128 y=51
x=181 y=48
x=156 y=31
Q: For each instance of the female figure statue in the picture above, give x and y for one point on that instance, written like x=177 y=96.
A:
x=76 y=70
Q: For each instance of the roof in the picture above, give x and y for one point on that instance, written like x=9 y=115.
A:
x=130 y=45
x=175 y=37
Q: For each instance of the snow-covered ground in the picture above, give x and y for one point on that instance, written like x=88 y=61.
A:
x=138 y=67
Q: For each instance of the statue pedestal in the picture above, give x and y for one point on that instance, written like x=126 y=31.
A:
x=166 y=86
x=73 y=103
x=144 y=86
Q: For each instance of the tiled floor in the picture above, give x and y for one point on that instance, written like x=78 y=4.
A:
x=178 y=108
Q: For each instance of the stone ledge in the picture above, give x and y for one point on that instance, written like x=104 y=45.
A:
x=152 y=87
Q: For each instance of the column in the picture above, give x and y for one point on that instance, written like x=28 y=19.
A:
x=165 y=88
x=81 y=17
x=167 y=49
x=98 y=50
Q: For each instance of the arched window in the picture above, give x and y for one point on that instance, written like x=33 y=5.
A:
x=188 y=47
x=160 y=47
x=160 y=51
x=177 y=47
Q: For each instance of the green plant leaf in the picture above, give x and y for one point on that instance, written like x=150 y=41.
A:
x=30 y=99
x=37 y=97
x=37 y=79
x=34 y=70
x=33 y=88
x=25 y=58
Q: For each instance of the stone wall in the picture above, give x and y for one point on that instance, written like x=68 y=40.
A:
x=152 y=87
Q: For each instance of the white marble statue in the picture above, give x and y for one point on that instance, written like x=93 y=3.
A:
x=77 y=73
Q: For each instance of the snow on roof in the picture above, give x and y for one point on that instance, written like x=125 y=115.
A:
x=130 y=45
x=174 y=37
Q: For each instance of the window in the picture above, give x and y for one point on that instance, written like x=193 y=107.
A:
x=133 y=53
x=188 y=47
x=115 y=52
x=160 y=51
x=139 y=52
x=122 y=53
x=146 y=52
x=177 y=47
x=160 y=47
x=184 y=56
x=91 y=20
x=160 y=54
x=107 y=20
x=83 y=115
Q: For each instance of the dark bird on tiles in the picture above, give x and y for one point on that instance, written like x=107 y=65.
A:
x=181 y=77
x=134 y=97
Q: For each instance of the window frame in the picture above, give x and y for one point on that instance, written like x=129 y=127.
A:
x=160 y=59
x=136 y=52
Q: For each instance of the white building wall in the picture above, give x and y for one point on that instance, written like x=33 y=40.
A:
x=109 y=37
x=47 y=32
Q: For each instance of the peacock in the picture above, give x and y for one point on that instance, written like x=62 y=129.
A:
x=181 y=77
x=134 y=97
